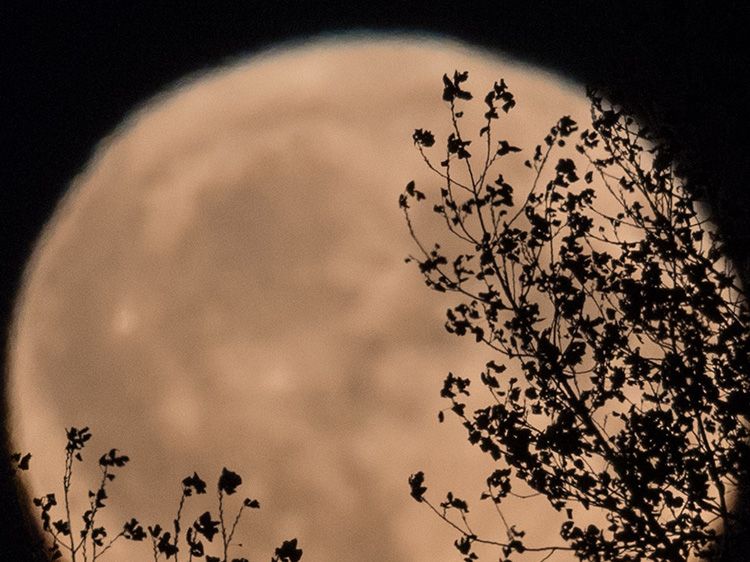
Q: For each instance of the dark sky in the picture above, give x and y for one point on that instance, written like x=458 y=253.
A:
x=70 y=71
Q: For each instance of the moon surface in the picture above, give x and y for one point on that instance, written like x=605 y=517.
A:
x=224 y=285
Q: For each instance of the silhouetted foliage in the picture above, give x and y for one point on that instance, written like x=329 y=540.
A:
x=89 y=542
x=619 y=386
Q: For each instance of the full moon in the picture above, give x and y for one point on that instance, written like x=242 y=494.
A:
x=224 y=285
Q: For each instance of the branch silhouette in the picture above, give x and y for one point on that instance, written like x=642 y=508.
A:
x=87 y=541
x=619 y=387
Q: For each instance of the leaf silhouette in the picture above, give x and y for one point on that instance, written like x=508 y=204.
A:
x=229 y=481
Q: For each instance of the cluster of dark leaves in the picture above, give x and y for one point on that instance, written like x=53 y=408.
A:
x=92 y=541
x=621 y=383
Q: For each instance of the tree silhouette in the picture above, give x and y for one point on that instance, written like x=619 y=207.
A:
x=88 y=541
x=618 y=388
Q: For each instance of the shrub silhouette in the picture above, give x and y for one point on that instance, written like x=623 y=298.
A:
x=619 y=386
x=88 y=541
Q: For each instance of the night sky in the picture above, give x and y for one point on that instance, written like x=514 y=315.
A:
x=71 y=71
